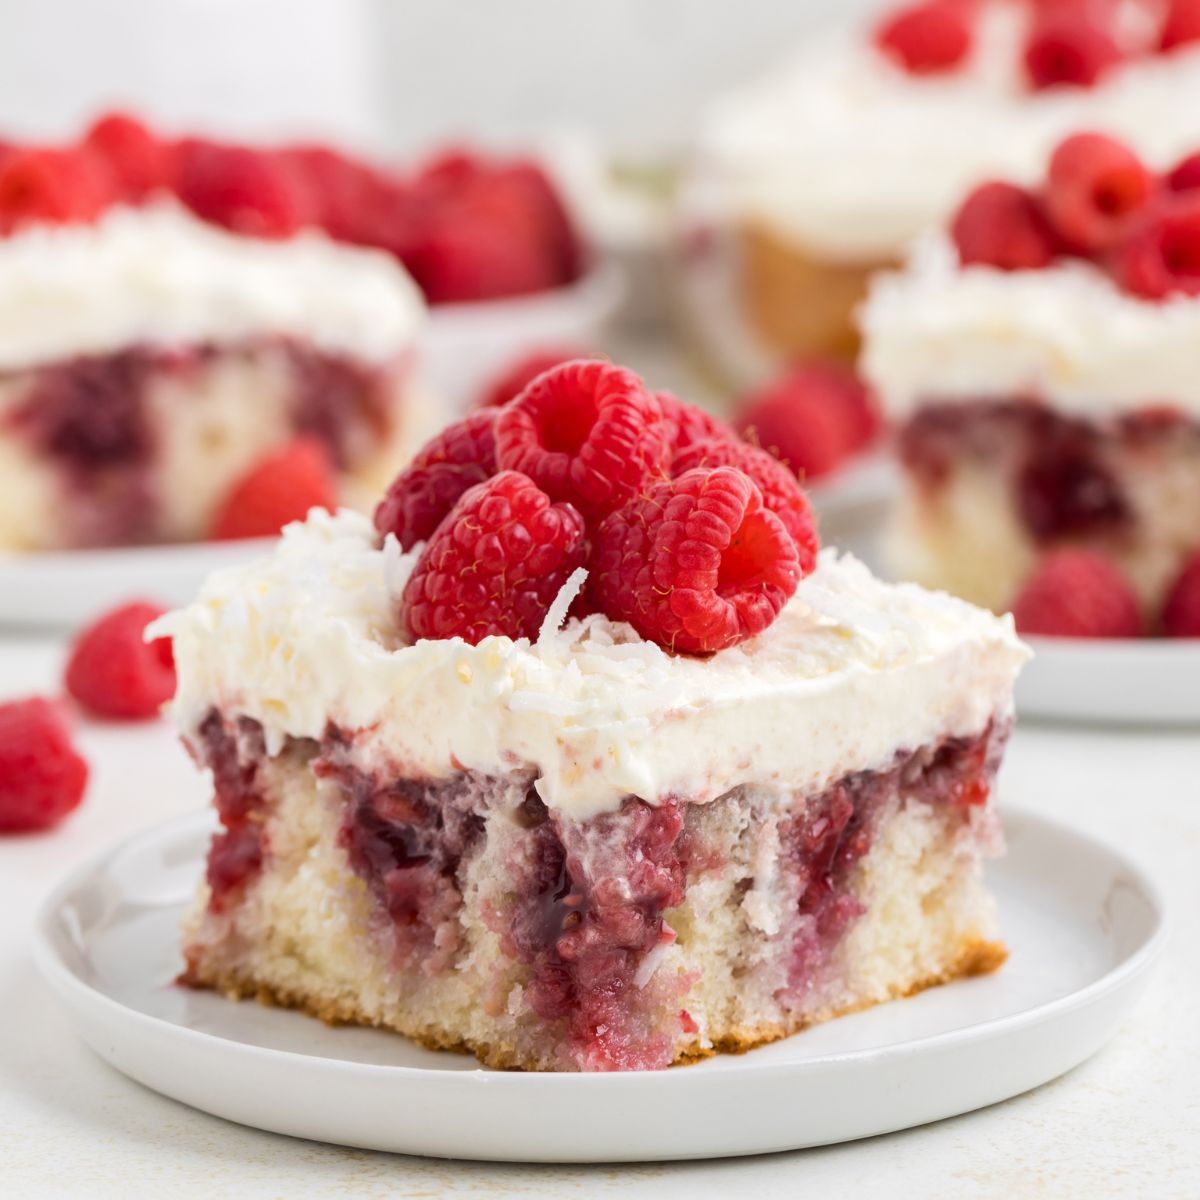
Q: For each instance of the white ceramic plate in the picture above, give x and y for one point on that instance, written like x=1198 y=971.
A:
x=1082 y=923
x=1134 y=681
x=466 y=345
x=67 y=587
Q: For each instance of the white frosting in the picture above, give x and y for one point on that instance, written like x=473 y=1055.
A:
x=159 y=276
x=851 y=672
x=1067 y=335
x=852 y=157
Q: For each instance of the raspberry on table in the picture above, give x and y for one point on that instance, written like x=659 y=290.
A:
x=1004 y=226
x=1077 y=593
x=448 y=465
x=689 y=423
x=1162 y=257
x=696 y=564
x=812 y=418
x=1069 y=47
x=1181 y=611
x=277 y=490
x=518 y=375
x=495 y=565
x=113 y=671
x=1095 y=188
x=139 y=162
x=52 y=185
x=587 y=432
x=928 y=37
x=1181 y=25
x=781 y=491
x=42 y=775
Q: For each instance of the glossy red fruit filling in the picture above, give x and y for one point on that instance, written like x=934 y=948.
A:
x=233 y=752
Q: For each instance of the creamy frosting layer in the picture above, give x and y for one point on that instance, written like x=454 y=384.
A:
x=159 y=276
x=851 y=157
x=853 y=671
x=1067 y=335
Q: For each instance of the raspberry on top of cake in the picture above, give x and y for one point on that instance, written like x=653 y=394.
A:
x=1041 y=357
x=583 y=755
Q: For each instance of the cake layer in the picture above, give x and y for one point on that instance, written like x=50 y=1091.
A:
x=850 y=157
x=1066 y=335
x=160 y=277
x=465 y=913
x=852 y=670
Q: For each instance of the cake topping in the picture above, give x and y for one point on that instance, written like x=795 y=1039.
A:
x=1002 y=225
x=137 y=161
x=1181 y=611
x=1077 y=593
x=1070 y=45
x=42 y=776
x=114 y=672
x=1181 y=25
x=39 y=184
x=1095 y=189
x=697 y=564
x=280 y=488
x=927 y=38
x=495 y=564
x=1163 y=258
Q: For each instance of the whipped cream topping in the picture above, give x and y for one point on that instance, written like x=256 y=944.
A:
x=853 y=671
x=850 y=156
x=158 y=276
x=1067 y=335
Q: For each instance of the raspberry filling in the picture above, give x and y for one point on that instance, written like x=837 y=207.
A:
x=588 y=908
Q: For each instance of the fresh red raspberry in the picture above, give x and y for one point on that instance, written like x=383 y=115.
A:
x=1095 y=189
x=448 y=465
x=1069 y=48
x=1001 y=225
x=696 y=564
x=587 y=432
x=42 y=776
x=139 y=163
x=280 y=488
x=114 y=672
x=1181 y=25
x=52 y=185
x=1185 y=175
x=344 y=195
x=517 y=376
x=1163 y=257
x=689 y=423
x=927 y=38
x=495 y=564
x=1077 y=593
x=781 y=491
x=1181 y=611
x=812 y=419
x=243 y=190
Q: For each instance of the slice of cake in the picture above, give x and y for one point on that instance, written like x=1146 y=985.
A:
x=743 y=789
x=1041 y=359
x=826 y=168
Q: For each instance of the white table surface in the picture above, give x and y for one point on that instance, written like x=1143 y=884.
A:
x=1127 y=1123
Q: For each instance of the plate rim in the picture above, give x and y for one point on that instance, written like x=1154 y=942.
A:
x=72 y=990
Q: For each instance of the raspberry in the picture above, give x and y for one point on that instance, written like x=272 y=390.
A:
x=344 y=196
x=517 y=376
x=1095 y=188
x=1163 y=257
x=454 y=461
x=1069 y=48
x=697 y=564
x=138 y=162
x=927 y=38
x=1077 y=593
x=1181 y=612
x=1181 y=26
x=1185 y=176
x=811 y=419
x=280 y=488
x=42 y=776
x=587 y=432
x=1001 y=225
x=51 y=185
x=689 y=423
x=495 y=564
x=242 y=190
x=113 y=672
x=781 y=492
